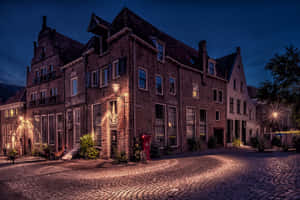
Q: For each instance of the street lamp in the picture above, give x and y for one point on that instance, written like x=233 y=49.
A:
x=275 y=115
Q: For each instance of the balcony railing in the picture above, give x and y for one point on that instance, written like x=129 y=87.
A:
x=44 y=78
x=45 y=101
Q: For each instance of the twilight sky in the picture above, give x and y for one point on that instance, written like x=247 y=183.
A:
x=260 y=28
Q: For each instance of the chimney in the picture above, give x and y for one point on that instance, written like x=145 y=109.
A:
x=34 y=48
x=238 y=50
x=44 y=22
x=202 y=51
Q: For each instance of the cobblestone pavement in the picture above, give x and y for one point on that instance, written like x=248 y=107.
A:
x=220 y=175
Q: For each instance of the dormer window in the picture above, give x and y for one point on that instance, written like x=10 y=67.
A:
x=211 y=68
x=160 y=48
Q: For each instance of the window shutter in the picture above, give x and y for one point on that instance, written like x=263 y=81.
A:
x=109 y=72
x=88 y=79
x=122 y=66
x=97 y=78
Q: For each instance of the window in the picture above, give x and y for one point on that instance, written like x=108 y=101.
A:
x=44 y=129
x=43 y=97
x=51 y=68
x=172 y=126
x=220 y=96
x=234 y=84
x=59 y=130
x=116 y=69
x=74 y=86
x=195 y=90
x=211 y=68
x=53 y=92
x=95 y=78
x=245 y=108
x=160 y=124
x=37 y=129
x=203 y=125
x=33 y=96
x=97 y=123
x=158 y=85
x=44 y=71
x=172 y=86
x=77 y=125
x=242 y=86
x=231 y=106
x=215 y=93
x=142 y=79
x=250 y=114
x=11 y=111
x=114 y=112
x=190 y=123
x=37 y=76
x=104 y=77
x=238 y=106
x=51 y=129
x=160 y=54
x=218 y=116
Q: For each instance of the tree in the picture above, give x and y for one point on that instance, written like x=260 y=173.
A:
x=284 y=88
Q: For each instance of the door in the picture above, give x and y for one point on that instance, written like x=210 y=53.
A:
x=114 y=143
x=244 y=132
x=70 y=129
x=218 y=133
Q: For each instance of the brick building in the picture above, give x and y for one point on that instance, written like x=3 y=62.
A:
x=13 y=127
x=129 y=79
x=241 y=110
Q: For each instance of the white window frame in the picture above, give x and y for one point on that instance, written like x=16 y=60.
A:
x=177 y=133
x=162 y=85
x=195 y=110
x=72 y=79
x=101 y=78
x=114 y=70
x=219 y=115
x=138 y=82
x=165 y=122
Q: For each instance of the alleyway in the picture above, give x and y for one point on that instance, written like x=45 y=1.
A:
x=223 y=175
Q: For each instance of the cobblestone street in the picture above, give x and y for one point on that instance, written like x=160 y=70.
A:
x=224 y=174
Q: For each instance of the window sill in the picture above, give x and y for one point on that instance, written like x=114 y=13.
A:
x=142 y=89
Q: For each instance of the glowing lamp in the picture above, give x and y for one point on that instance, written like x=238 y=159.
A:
x=275 y=114
x=21 y=118
x=115 y=87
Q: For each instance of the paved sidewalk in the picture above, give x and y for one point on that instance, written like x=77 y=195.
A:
x=25 y=159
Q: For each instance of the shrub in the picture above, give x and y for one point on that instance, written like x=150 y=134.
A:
x=276 y=141
x=296 y=142
x=194 y=144
x=121 y=157
x=86 y=142
x=236 y=142
x=91 y=153
x=254 y=142
x=12 y=155
x=261 y=145
x=137 y=148
x=155 y=151
x=212 y=143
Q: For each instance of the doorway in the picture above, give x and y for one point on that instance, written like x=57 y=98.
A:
x=219 y=135
x=114 y=143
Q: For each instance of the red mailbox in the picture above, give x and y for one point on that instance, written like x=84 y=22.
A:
x=146 y=145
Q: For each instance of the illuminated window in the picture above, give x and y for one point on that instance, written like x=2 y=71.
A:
x=11 y=112
x=195 y=90
x=190 y=123
x=172 y=126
